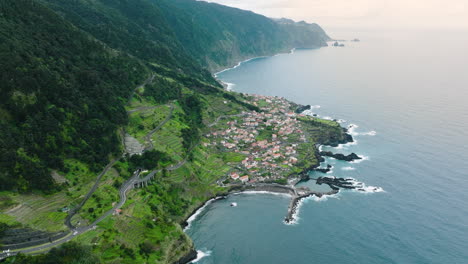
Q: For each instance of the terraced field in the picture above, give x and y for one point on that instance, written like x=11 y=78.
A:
x=40 y=212
x=141 y=122
x=219 y=105
x=168 y=138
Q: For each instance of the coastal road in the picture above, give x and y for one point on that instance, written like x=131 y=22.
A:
x=128 y=185
x=122 y=193
x=72 y=212
x=80 y=230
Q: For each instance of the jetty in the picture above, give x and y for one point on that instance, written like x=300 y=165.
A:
x=296 y=193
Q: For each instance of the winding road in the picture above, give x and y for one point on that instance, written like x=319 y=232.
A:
x=72 y=212
x=128 y=185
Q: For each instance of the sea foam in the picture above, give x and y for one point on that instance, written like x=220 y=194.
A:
x=264 y=192
x=352 y=131
x=363 y=188
x=200 y=255
x=300 y=203
x=363 y=158
x=229 y=86
x=198 y=212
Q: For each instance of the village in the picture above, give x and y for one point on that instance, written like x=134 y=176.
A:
x=269 y=141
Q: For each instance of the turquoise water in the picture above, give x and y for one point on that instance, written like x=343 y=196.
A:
x=410 y=90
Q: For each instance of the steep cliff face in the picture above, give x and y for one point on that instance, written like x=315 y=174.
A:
x=219 y=36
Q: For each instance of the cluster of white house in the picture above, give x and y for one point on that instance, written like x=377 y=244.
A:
x=269 y=157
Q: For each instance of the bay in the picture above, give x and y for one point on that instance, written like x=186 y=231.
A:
x=407 y=92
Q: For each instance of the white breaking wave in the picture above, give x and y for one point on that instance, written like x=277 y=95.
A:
x=247 y=60
x=342 y=146
x=198 y=212
x=363 y=188
x=352 y=131
x=352 y=128
x=229 y=86
x=308 y=112
x=200 y=255
x=370 y=133
x=264 y=192
x=348 y=168
x=363 y=158
x=327 y=118
x=238 y=64
x=301 y=202
x=369 y=189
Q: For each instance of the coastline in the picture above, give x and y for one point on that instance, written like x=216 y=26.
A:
x=267 y=188
x=215 y=74
x=297 y=195
x=228 y=86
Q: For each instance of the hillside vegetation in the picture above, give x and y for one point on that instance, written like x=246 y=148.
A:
x=79 y=77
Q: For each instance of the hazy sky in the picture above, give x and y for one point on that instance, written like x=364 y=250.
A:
x=364 y=13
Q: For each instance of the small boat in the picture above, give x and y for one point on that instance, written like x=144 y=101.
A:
x=233 y=204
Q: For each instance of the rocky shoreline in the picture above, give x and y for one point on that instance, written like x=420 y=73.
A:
x=297 y=194
x=192 y=255
x=336 y=183
x=351 y=157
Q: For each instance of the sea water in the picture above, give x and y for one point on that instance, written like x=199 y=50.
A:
x=406 y=94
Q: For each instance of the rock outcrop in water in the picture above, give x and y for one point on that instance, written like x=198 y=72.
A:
x=339 y=156
x=302 y=108
x=192 y=255
x=336 y=183
x=324 y=170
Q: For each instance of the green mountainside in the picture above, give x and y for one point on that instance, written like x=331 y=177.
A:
x=62 y=95
x=83 y=83
x=218 y=36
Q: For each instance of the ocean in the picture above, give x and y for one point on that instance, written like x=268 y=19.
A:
x=406 y=95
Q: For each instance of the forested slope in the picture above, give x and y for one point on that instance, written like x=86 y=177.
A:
x=62 y=94
x=77 y=74
x=218 y=36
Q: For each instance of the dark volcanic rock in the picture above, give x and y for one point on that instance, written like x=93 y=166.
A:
x=336 y=183
x=324 y=170
x=302 y=108
x=187 y=258
x=339 y=156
